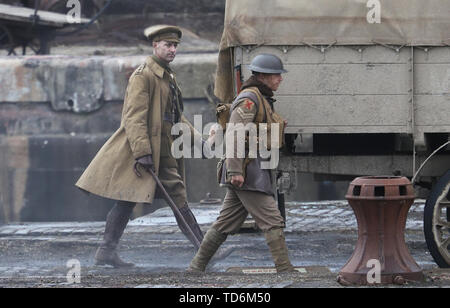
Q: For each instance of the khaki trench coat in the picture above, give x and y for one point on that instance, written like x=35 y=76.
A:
x=111 y=174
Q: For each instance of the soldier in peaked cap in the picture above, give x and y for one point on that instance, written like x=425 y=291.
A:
x=143 y=141
x=163 y=33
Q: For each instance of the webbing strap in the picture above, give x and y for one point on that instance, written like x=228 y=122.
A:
x=255 y=97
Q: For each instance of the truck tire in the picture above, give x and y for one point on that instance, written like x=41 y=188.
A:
x=436 y=222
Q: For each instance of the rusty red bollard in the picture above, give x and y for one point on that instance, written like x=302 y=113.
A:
x=381 y=206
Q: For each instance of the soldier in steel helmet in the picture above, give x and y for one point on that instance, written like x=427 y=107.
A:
x=153 y=104
x=249 y=187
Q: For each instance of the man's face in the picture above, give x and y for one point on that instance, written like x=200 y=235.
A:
x=165 y=50
x=273 y=81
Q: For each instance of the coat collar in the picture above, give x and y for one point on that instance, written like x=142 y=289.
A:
x=157 y=69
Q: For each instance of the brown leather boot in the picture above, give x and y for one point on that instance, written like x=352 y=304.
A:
x=116 y=221
x=109 y=256
x=277 y=245
x=212 y=241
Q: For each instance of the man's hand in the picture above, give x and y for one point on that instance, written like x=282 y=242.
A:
x=207 y=146
x=146 y=162
x=237 y=180
x=212 y=133
x=211 y=140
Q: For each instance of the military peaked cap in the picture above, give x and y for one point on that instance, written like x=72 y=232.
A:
x=163 y=33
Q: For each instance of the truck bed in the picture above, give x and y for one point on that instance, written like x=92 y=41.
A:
x=362 y=89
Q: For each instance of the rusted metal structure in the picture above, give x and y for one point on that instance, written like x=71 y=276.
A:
x=366 y=93
x=381 y=207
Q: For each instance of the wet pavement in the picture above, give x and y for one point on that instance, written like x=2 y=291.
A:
x=320 y=238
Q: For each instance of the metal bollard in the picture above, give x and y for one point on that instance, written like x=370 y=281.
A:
x=381 y=206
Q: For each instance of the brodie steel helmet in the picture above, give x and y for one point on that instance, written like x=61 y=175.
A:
x=267 y=64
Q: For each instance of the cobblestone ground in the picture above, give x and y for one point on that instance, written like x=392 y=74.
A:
x=302 y=217
x=320 y=238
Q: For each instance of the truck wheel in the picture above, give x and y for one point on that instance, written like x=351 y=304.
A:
x=436 y=222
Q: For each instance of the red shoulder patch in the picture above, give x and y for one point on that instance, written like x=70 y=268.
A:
x=249 y=104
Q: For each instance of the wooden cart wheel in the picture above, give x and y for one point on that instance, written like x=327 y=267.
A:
x=437 y=221
x=21 y=46
x=37 y=46
x=6 y=40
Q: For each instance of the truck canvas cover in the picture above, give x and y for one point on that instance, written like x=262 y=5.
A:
x=324 y=22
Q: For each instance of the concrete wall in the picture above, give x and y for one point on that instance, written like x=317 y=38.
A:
x=55 y=114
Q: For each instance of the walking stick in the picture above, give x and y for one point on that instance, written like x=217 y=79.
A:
x=175 y=209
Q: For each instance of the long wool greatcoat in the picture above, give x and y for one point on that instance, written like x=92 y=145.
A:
x=111 y=174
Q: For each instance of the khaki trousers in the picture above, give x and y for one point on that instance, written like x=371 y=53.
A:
x=238 y=203
x=174 y=185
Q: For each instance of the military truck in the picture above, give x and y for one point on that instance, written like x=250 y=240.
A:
x=367 y=91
